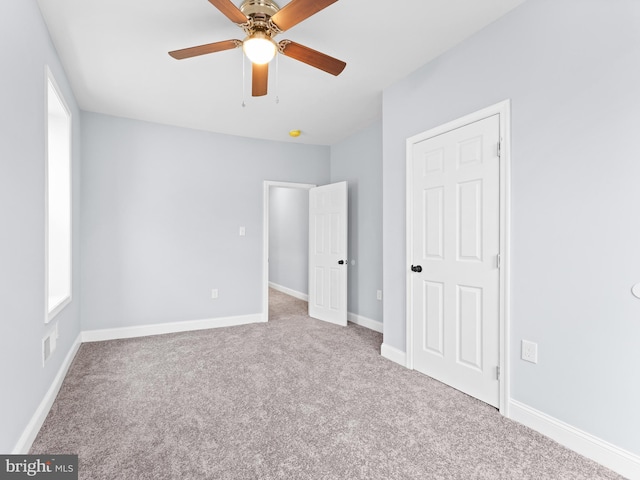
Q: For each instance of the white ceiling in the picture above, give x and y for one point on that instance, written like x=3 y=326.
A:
x=115 y=54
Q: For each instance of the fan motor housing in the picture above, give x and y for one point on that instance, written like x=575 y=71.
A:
x=259 y=7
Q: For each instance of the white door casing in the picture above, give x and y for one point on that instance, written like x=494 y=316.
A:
x=456 y=304
x=328 y=253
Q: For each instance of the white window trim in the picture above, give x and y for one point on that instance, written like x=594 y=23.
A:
x=63 y=302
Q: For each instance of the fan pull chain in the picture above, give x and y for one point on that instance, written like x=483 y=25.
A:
x=243 y=82
x=277 y=78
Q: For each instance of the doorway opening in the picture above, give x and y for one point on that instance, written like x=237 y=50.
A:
x=285 y=240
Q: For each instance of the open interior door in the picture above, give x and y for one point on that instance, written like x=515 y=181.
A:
x=328 y=253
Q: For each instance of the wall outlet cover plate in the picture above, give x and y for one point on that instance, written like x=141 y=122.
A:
x=529 y=351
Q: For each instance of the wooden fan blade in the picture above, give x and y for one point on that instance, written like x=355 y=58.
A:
x=204 y=49
x=229 y=10
x=312 y=57
x=259 y=79
x=296 y=11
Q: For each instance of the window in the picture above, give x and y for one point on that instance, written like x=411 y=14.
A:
x=58 y=201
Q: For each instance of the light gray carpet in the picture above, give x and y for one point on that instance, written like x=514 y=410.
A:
x=295 y=398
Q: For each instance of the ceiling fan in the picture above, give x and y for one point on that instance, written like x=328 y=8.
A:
x=261 y=21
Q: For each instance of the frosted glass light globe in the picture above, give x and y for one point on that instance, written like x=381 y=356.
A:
x=259 y=48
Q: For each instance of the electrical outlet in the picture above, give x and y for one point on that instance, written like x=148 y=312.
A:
x=379 y=294
x=529 y=351
x=214 y=293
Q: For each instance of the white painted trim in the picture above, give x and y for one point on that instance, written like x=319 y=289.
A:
x=503 y=109
x=598 y=450
x=365 y=322
x=289 y=291
x=505 y=255
x=393 y=354
x=267 y=184
x=33 y=427
x=163 y=328
x=408 y=297
x=49 y=315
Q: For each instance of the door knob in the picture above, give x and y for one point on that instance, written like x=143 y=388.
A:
x=416 y=268
x=341 y=262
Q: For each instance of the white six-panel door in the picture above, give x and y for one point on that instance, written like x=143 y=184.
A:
x=455 y=283
x=328 y=253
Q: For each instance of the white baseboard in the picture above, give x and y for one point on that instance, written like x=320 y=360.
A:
x=365 y=322
x=289 y=291
x=174 y=327
x=33 y=427
x=615 y=458
x=393 y=354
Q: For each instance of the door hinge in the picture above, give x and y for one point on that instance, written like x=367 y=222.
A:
x=497 y=373
x=499 y=149
x=498 y=259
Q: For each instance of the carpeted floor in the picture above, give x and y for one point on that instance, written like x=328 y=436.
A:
x=295 y=398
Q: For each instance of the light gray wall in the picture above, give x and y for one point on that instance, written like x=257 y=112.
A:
x=289 y=238
x=358 y=160
x=25 y=381
x=572 y=71
x=162 y=208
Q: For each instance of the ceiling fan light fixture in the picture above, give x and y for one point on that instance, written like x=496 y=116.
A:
x=259 y=48
x=262 y=21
